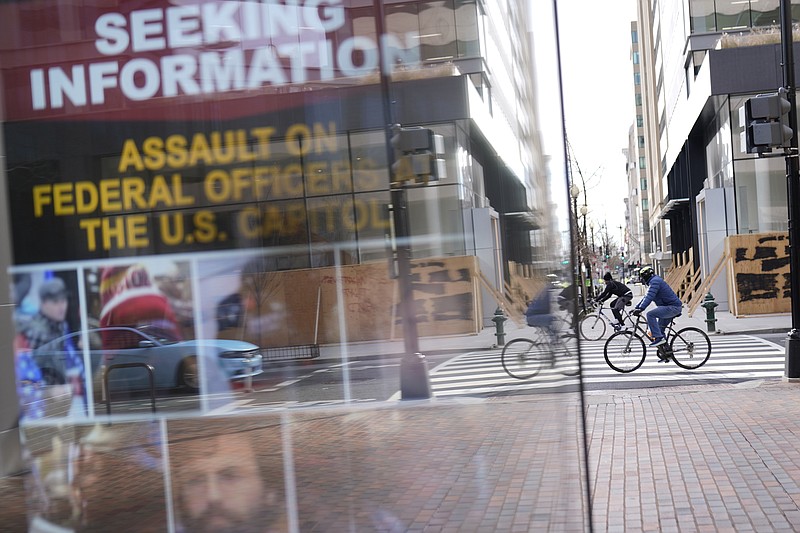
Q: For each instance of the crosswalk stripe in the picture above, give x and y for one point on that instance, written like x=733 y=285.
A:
x=733 y=357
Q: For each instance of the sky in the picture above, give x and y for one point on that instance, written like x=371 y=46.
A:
x=598 y=92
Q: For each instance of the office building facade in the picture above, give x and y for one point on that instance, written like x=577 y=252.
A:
x=700 y=61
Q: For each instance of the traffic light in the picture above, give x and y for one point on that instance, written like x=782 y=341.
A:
x=417 y=155
x=765 y=122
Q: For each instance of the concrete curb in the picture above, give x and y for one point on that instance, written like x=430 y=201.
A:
x=751 y=332
x=380 y=356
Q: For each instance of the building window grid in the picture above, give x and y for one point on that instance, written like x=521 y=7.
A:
x=708 y=16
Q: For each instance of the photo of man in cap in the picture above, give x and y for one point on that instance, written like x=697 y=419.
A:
x=50 y=325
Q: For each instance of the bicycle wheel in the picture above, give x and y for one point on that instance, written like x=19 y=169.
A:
x=521 y=358
x=567 y=356
x=691 y=348
x=592 y=327
x=624 y=351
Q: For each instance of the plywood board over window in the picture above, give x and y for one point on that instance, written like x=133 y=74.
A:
x=358 y=303
x=758 y=281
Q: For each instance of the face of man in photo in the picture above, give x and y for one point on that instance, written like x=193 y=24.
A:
x=223 y=491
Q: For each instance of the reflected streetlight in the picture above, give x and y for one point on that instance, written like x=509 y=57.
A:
x=586 y=260
x=574 y=192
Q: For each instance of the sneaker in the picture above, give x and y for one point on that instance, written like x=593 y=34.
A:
x=658 y=342
x=616 y=325
x=663 y=359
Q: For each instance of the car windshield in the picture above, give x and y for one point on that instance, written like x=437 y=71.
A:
x=160 y=334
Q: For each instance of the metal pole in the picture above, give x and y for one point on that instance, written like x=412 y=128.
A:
x=414 y=378
x=622 y=251
x=587 y=261
x=587 y=476
x=793 y=339
x=399 y=203
x=578 y=254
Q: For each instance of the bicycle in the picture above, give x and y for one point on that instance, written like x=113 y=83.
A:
x=524 y=358
x=688 y=347
x=592 y=327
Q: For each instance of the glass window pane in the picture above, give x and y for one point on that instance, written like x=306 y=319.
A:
x=326 y=165
x=368 y=159
x=703 y=16
x=331 y=220
x=761 y=195
x=467 y=28
x=435 y=216
x=224 y=175
x=269 y=224
x=437 y=26
x=373 y=223
x=402 y=19
x=732 y=15
x=766 y=12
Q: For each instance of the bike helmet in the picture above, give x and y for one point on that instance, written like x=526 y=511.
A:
x=646 y=273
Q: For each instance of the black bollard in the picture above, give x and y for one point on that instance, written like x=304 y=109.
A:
x=414 y=381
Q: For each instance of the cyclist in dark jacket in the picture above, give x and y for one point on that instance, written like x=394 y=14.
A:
x=668 y=305
x=624 y=297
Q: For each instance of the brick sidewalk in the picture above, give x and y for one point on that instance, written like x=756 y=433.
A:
x=704 y=458
x=700 y=458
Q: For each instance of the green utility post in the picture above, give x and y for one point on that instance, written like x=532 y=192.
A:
x=709 y=305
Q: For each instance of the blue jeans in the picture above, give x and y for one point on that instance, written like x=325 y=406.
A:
x=659 y=317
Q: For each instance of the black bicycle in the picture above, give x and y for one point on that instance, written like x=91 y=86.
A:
x=548 y=346
x=593 y=325
x=689 y=347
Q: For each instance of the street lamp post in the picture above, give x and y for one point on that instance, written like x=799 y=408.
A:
x=586 y=259
x=574 y=192
x=594 y=251
x=622 y=250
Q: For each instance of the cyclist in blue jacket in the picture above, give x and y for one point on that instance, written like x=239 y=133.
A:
x=668 y=305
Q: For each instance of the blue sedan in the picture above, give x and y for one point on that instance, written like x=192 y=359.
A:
x=174 y=362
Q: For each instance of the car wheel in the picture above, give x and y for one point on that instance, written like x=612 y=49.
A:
x=52 y=377
x=189 y=375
